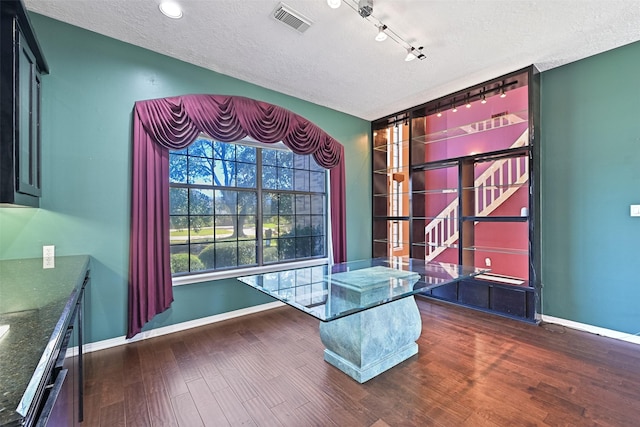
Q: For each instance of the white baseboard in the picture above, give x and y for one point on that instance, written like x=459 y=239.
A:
x=114 y=342
x=610 y=333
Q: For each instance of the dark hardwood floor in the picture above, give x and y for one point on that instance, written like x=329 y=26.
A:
x=267 y=369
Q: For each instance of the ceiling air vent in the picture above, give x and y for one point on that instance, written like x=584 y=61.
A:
x=291 y=18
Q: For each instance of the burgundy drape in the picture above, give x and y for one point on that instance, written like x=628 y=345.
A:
x=174 y=123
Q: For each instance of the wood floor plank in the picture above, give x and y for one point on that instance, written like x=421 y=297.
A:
x=206 y=404
x=160 y=409
x=267 y=369
x=233 y=410
x=173 y=381
x=112 y=415
x=186 y=412
x=131 y=365
x=260 y=413
x=136 y=410
x=153 y=382
x=243 y=388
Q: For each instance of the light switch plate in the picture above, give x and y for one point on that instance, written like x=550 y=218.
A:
x=635 y=210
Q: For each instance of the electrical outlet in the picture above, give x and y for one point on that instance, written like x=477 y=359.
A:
x=635 y=210
x=48 y=256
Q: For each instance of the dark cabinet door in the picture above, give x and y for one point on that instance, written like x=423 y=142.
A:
x=21 y=67
x=28 y=120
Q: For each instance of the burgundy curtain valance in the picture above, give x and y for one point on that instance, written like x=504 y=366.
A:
x=176 y=122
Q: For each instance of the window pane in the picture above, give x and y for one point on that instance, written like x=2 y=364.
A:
x=247 y=223
x=286 y=203
x=318 y=246
x=246 y=175
x=200 y=202
x=269 y=157
x=269 y=251
x=225 y=173
x=245 y=153
x=199 y=171
x=286 y=249
x=317 y=182
x=301 y=162
x=315 y=166
x=246 y=252
x=317 y=205
x=200 y=229
x=285 y=226
x=303 y=225
x=317 y=225
x=303 y=204
x=285 y=159
x=270 y=177
x=226 y=254
x=226 y=201
x=177 y=168
x=269 y=204
x=303 y=247
x=179 y=259
x=301 y=180
x=247 y=202
x=224 y=226
x=201 y=148
x=178 y=201
x=179 y=230
x=224 y=151
x=194 y=260
x=285 y=179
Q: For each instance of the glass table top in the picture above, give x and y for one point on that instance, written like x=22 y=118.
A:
x=329 y=292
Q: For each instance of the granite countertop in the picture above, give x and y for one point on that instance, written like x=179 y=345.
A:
x=37 y=304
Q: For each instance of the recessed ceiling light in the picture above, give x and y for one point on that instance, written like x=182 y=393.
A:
x=171 y=9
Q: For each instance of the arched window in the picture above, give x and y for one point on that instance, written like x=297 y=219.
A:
x=175 y=123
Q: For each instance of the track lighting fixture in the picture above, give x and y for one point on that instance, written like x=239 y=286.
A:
x=381 y=36
x=365 y=9
x=466 y=99
x=413 y=53
x=410 y=56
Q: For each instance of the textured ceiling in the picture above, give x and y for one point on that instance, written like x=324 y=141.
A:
x=336 y=62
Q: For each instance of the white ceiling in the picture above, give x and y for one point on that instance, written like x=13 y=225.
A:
x=336 y=62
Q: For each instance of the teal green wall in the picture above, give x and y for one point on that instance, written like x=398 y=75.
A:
x=590 y=175
x=87 y=108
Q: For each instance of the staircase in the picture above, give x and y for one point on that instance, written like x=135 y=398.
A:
x=493 y=187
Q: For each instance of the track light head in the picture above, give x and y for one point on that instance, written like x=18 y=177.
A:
x=381 y=36
x=410 y=54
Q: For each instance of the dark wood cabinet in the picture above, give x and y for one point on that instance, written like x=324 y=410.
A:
x=22 y=65
x=66 y=405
